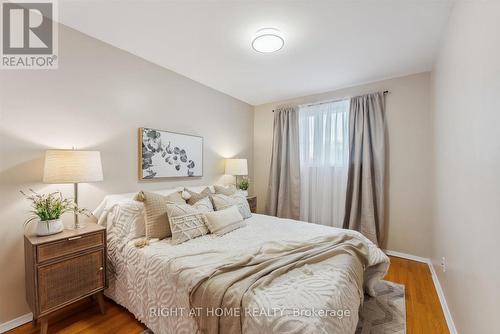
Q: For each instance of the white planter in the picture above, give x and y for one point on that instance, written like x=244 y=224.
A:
x=245 y=192
x=49 y=227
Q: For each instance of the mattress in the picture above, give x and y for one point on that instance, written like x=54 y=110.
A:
x=154 y=282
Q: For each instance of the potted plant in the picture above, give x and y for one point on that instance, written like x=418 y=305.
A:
x=47 y=210
x=243 y=185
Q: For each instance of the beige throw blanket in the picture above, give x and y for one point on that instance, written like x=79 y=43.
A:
x=230 y=286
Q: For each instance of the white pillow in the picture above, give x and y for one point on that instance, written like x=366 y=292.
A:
x=222 y=202
x=126 y=220
x=224 y=221
x=225 y=190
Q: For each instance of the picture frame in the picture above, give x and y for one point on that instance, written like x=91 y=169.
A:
x=166 y=154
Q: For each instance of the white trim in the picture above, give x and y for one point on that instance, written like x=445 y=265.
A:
x=437 y=285
x=8 y=325
x=442 y=299
x=406 y=256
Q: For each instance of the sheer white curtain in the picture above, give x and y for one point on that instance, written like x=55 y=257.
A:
x=324 y=153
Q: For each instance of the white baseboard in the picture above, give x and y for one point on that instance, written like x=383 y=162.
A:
x=437 y=285
x=6 y=326
x=442 y=299
x=407 y=256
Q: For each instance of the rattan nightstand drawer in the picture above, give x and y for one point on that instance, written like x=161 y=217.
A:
x=68 y=246
x=65 y=281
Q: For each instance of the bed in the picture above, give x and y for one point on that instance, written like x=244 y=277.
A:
x=155 y=282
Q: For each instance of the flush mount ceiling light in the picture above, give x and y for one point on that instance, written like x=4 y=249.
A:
x=268 y=40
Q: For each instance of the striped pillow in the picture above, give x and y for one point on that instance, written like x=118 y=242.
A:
x=155 y=206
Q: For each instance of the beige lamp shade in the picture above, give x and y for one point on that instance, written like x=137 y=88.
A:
x=72 y=166
x=236 y=167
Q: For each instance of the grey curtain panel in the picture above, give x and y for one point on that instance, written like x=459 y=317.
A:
x=364 y=209
x=283 y=195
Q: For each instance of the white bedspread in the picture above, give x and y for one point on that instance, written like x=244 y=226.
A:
x=160 y=276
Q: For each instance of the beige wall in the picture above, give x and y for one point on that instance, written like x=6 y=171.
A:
x=97 y=99
x=466 y=226
x=409 y=157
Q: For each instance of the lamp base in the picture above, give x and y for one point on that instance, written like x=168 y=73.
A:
x=77 y=224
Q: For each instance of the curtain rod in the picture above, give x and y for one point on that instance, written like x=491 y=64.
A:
x=334 y=100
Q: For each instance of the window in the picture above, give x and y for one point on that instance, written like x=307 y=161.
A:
x=323 y=134
x=324 y=154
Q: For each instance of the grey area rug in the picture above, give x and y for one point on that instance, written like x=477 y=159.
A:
x=383 y=314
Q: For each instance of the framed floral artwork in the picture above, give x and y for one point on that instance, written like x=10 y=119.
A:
x=165 y=154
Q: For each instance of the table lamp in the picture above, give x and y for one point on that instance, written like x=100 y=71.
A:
x=72 y=166
x=236 y=167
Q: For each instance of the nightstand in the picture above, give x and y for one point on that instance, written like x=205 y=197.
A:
x=64 y=268
x=252 y=202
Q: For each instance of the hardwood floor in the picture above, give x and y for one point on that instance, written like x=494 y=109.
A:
x=423 y=310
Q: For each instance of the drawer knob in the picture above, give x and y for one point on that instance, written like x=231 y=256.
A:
x=101 y=269
x=75 y=238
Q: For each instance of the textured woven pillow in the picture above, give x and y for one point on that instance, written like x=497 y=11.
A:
x=155 y=207
x=186 y=222
x=224 y=221
x=195 y=197
x=222 y=202
x=228 y=191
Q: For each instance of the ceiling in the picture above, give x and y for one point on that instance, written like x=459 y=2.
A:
x=328 y=44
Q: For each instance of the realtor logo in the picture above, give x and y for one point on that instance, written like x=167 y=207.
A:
x=29 y=35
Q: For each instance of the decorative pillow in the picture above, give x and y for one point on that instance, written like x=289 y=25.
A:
x=224 y=221
x=195 y=197
x=222 y=202
x=155 y=205
x=204 y=205
x=228 y=191
x=186 y=222
x=125 y=221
